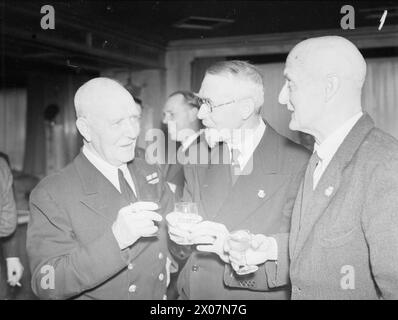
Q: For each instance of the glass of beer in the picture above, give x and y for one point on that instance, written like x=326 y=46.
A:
x=240 y=241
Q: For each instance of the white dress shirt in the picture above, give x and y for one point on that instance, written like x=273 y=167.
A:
x=327 y=149
x=109 y=171
x=247 y=144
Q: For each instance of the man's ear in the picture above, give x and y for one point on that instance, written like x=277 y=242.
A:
x=332 y=86
x=84 y=129
x=246 y=108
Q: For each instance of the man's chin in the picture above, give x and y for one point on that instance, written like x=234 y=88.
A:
x=293 y=125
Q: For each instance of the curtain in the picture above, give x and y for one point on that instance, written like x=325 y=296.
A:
x=13 y=125
x=380 y=93
x=43 y=90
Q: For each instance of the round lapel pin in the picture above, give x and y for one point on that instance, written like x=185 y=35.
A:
x=261 y=194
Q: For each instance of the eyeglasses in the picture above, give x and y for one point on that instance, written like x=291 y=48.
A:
x=210 y=105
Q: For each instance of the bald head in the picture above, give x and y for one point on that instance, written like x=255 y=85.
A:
x=98 y=94
x=108 y=119
x=330 y=55
x=324 y=80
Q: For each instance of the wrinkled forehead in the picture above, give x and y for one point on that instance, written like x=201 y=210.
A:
x=113 y=106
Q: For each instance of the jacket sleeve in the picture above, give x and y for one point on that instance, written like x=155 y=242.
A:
x=380 y=224
x=8 y=212
x=10 y=245
x=61 y=266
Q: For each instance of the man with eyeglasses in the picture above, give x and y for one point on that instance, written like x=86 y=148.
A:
x=249 y=183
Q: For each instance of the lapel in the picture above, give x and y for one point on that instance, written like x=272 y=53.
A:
x=234 y=204
x=328 y=185
x=216 y=184
x=144 y=190
x=104 y=199
x=99 y=193
x=261 y=181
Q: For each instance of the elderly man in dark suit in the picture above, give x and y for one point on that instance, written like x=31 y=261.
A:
x=94 y=232
x=344 y=234
x=253 y=187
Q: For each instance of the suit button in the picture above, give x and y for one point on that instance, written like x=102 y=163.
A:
x=160 y=256
x=130 y=266
x=296 y=289
x=195 y=268
x=132 y=288
x=161 y=277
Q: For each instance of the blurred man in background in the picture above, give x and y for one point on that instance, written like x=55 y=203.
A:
x=180 y=115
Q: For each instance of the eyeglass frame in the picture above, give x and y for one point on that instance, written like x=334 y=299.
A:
x=209 y=103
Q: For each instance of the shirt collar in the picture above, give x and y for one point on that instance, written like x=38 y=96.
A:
x=108 y=170
x=329 y=146
x=248 y=143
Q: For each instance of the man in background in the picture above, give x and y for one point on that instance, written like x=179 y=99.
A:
x=183 y=126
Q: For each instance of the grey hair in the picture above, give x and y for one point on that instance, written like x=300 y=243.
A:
x=245 y=71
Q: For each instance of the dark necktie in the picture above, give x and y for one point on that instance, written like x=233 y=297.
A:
x=235 y=167
x=308 y=184
x=125 y=189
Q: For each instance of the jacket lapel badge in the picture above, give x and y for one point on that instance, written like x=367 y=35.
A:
x=329 y=190
x=261 y=194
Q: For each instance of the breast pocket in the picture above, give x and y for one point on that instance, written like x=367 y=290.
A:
x=337 y=239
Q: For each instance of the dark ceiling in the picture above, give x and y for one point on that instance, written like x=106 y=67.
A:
x=155 y=19
x=94 y=35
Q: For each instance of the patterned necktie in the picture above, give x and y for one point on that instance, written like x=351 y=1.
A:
x=125 y=189
x=308 y=184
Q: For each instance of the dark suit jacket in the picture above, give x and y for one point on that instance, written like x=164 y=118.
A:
x=347 y=246
x=174 y=169
x=174 y=173
x=72 y=212
x=260 y=202
x=8 y=212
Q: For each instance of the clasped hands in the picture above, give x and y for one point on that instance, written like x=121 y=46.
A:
x=213 y=237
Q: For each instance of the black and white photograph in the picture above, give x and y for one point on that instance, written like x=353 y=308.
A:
x=214 y=151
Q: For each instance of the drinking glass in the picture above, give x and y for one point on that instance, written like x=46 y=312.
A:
x=240 y=241
x=189 y=217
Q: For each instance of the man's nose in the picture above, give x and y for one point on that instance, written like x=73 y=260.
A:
x=203 y=112
x=283 y=95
